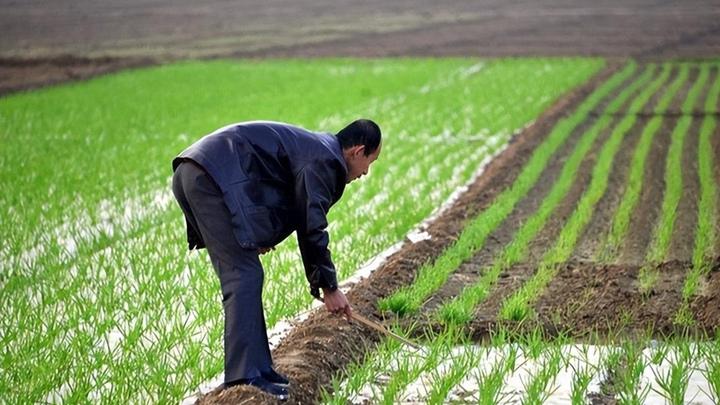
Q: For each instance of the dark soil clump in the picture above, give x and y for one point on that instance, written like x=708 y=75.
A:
x=586 y=298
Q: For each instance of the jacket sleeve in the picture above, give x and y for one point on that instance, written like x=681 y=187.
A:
x=314 y=187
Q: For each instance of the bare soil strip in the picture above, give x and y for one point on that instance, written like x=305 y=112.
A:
x=601 y=107
x=648 y=30
x=324 y=344
x=586 y=297
x=18 y=74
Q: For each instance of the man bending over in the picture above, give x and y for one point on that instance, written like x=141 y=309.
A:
x=245 y=188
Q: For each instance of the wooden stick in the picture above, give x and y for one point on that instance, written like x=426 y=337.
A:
x=380 y=328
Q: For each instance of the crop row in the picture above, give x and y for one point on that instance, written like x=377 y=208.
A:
x=644 y=371
x=433 y=276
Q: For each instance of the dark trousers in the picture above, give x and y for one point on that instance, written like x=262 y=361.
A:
x=247 y=353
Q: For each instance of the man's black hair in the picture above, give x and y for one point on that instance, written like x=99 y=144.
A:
x=360 y=132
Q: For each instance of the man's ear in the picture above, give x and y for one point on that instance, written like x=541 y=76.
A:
x=359 y=150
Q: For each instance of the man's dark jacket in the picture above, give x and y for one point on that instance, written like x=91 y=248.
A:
x=275 y=178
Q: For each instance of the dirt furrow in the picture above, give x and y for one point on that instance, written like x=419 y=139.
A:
x=706 y=303
x=514 y=277
x=546 y=238
x=589 y=298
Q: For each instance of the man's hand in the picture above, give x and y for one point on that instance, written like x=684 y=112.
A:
x=337 y=303
x=262 y=251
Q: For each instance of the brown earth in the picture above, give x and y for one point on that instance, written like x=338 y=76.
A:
x=603 y=105
x=681 y=95
x=18 y=74
x=649 y=108
x=47 y=43
x=585 y=297
x=324 y=344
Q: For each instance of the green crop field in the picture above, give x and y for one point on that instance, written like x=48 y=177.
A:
x=102 y=302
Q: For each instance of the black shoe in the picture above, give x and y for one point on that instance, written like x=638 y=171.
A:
x=278 y=392
x=275 y=377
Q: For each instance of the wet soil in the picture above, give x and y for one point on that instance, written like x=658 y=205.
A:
x=585 y=298
x=17 y=74
x=324 y=344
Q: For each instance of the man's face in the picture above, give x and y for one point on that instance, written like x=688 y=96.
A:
x=358 y=164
